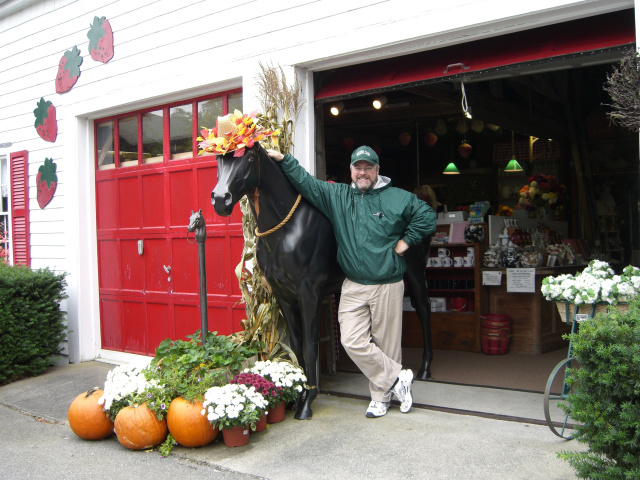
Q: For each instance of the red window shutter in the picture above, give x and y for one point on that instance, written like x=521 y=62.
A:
x=20 y=208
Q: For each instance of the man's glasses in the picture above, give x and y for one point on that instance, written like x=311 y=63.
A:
x=368 y=168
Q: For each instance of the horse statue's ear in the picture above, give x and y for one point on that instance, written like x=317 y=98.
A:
x=199 y=211
x=192 y=212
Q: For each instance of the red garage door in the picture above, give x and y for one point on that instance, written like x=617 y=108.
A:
x=148 y=180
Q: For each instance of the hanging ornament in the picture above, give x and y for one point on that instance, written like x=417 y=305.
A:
x=404 y=138
x=46 y=124
x=347 y=143
x=430 y=139
x=441 y=128
x=461 y=126
x=477 y=125
x=46 y=182
x=464 y=149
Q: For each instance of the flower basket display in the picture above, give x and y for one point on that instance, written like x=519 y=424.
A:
x=592 y=291
x=568 y=312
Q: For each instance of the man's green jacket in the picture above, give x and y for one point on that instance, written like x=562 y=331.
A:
x=367 y=225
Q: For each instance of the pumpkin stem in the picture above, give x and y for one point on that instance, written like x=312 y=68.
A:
x=91 y=392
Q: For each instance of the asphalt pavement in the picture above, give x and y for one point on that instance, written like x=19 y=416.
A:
x=452 y=432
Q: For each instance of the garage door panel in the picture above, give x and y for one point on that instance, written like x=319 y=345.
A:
x=111 y=331
x=108 y=258
x=153 y=214
x=156 y=257
x=135 y=327
x=160 y=323
x=181 y=203
x=187 y=320
x=107 y=211
x=129 y=200
x=185 y=266
x=132 y=265
x=218 y=265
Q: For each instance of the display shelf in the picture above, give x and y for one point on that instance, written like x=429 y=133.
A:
x=456 y=296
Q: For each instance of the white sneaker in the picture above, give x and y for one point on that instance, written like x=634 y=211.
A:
x=377 y=409
x=402 y=390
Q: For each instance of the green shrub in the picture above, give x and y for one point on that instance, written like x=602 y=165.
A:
x=31 y=322
x=606 y=398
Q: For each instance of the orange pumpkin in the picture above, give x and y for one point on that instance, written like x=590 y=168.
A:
x=138 y=428
x=187 y=425
x=86 y=417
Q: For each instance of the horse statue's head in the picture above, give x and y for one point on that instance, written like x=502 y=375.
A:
x=237 y=176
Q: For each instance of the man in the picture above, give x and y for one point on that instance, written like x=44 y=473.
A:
x=374 y=224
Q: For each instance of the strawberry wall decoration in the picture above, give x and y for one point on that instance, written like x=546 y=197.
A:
x=68 y=70
x=46 y=182
x=46 y=123
x=100 y=40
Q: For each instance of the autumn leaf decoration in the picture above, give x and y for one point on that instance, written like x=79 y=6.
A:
x=234 y=132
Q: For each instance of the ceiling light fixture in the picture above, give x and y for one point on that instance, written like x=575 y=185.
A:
x=513 y=165
x=379 y=102
x=337 y=109
x=451 y=169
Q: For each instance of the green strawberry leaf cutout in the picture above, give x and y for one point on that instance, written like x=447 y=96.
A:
x=42 y=111
x=96 y=32
x=74 y=60
x=48 y=171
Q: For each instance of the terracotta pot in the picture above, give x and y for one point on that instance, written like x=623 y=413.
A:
x=261 y=424
x=276 y=414
x=236 y=436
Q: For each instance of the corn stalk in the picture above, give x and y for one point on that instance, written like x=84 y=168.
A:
x=265 y=321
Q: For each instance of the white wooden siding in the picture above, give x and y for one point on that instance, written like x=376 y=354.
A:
x=167 y=50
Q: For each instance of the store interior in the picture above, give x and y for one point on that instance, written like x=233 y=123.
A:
x=551 y=118
x=553 y=122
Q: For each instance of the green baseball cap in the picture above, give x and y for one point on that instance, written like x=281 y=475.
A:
x=364 y=153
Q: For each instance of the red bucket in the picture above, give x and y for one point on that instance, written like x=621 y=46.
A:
x=458 y=304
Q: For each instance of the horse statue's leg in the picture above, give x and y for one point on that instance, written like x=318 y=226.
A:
x=417 y=286
x=310 y=310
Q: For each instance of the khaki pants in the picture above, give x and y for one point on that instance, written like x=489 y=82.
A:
x=370 y=319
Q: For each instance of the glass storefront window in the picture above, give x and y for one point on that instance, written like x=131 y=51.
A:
x=235 y=102
x=208 y=113
x=181 y=131
x=104 y=142
x=152 y=145
x=128 y=141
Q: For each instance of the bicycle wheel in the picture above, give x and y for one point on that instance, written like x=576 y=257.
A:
x=559 y=424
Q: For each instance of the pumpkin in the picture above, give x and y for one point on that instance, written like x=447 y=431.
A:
x=187 y=425
x=138 y=428
x=86 y=417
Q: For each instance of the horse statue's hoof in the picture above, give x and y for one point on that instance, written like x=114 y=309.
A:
x=303 y=405
x=424 y=373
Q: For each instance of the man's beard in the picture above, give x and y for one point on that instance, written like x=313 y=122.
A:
x=365 y=188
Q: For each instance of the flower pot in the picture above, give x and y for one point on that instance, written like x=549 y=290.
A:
x=276 y=414
x=261 y=424
x=236 y=436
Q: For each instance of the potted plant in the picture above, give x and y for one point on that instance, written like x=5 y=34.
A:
x=284 y=375
x=187 y=369
x=592 y=290
x=271 y=393
x=234 y=408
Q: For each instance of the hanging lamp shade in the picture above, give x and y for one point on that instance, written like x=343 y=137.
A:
x=451 y=169
x=513 y=166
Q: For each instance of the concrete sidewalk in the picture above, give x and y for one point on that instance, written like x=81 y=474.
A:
x=453 y=432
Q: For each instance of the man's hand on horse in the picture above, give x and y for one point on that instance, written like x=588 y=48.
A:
x=277 y=156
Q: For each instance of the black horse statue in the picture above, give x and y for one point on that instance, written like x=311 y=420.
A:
x=297 y=253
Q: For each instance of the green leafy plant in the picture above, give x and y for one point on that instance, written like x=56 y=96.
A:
x=606 y=393
x=31 y=320
x=189 y=368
